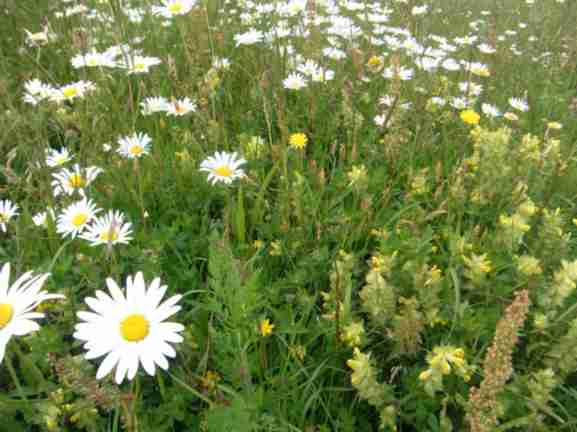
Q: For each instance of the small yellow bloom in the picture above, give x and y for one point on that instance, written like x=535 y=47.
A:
x=554 y=125
x=266 y=327
x=470 y=117
x=298 y=141
x=375 y=64
x=425 y=375
x=209 y=380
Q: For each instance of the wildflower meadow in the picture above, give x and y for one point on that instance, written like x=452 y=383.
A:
x=288 y=215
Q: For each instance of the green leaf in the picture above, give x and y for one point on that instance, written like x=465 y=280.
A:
x=233 y=418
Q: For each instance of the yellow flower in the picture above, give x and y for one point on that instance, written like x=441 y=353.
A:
x=470 y=117
x=528 y=265
x=209 y=380
x=266 y=327
x=375 y=64
x=425 y=375
x=298 y=141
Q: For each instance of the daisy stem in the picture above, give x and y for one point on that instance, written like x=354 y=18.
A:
x=135 y=397
x=58 y=253
x=14 y=377
x=140 y=193
x=161 y=385
x=263 y=359
x=227 y=215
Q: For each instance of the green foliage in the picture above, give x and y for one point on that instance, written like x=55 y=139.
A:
x=358 y=283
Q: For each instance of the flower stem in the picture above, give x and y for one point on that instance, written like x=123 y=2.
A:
x=14 y=377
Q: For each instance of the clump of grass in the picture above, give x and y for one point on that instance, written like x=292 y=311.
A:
x=350 y=204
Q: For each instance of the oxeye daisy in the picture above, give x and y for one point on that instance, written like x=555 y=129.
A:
x=55 y=158
x=93 y=59
x=37 y=91
x=223 y=167
x=76 y=217
x=519 y=104
x=7 y=211
x=129 y=329
x=72 y=91
x=17 y=302
x=171 y=8
x=151 y=105
x=134 y=146
x=75 y=180
x=140 y=64
x=41 y=219
x=109 y=229
x=295 y=81
x=180 y=107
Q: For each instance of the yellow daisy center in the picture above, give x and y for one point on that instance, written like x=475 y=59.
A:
x=3 y=218
x=109 y=235
x=175 y=8
x=135 y=150
x=139 y=66
x=374 y=61
x=79 y=219
x=134 y=328
x=70 y=92
x=76 y=181
x=178 y=107
x=6 y=313
x=223 y=171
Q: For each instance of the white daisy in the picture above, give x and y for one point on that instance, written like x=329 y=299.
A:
x=93 y=59
x=490 y=110
x=295 y=81
x=180 y=107
x=309 y=68
x=108 y=229
x=55 y=158
x=139 y=64
x=519 y=104
x=486 y=48
x=223 y=167
x=134 y=146
x=322 y=75
x=171 y=8
x=220 y=63
x=76 y=217
x=380 y=120
x=71 y=91
x=75 y=180
x=40 y=219
x=17 y=302
x=250 y=37
x=129 y=329
x=151 y=105
x=37 y=91
x=334 y=53
x=403 y=73
x=7 y=211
